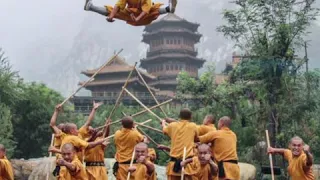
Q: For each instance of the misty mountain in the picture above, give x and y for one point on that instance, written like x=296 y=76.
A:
x=57 y=41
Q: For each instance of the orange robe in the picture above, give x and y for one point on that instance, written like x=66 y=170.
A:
x=204 y=129
x=84 y=133
x=152 y=153
x=136 y=7
x=125 y=141
x=297 y=165
x=96 y=154
x=79 y=174
x=224 y=148
x=79 y=144
x=58 y=140
x=182 y=134
x=6 y=171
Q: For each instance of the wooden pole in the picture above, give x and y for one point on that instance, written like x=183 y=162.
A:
x=50 y=155
x=131 y=162
x=147 y=86
x=149 y=127
x=136 y=114
x=270 y=156
x=160 y=119
x=184 y=158
x=120 y=95
x=136 y=126
x=91 y=78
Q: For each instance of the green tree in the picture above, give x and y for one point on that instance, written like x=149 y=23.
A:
x=31 y=120
x=271 y=32
x=6 y=130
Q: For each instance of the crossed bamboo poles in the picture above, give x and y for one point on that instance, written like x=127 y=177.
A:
x=135 y=98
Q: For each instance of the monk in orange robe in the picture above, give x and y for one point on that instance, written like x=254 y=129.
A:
x=125 y=140
x=71 y=166
x=299 y=159
x=152 y=156
x=203 y=163
x=94 y=157
x=182 y=134
x=86 y=130
x=6 y=171
x=142 y=169
x=134 y=12
x=207 y=125
x=224 y=148
x=58 y=131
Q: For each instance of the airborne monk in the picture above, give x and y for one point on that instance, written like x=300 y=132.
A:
x=134 y=12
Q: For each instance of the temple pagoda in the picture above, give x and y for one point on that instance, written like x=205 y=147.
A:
x=171 y=43
x=108 y=83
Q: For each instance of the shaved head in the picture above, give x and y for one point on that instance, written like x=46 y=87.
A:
x=296 y=138
x=68 y=146
x=68 y=152
x=127 y=122
x=204 y=147
x=142 y=145
x=61 y=127
x=69 y=128
x=209 y=119
x=225 y=121
x=185 y=114
x=2 y=151
x=2 y=148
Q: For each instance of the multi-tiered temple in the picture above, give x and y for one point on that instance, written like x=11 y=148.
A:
x=171 y=50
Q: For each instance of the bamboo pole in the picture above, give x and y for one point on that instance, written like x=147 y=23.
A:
x=160 y=119
x=109 y=137
x=131 y=162
x=50 y=155
x=147 y=86
x=270 y=155
x=184 y=158
x=91 y=78
x=136 y=114
x=120 y=95
x=149 y=127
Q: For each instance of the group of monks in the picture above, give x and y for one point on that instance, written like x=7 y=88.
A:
x=197 y=152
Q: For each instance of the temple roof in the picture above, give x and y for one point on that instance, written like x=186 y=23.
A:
x=171 y=19
x=118 y=81
x=117 y=65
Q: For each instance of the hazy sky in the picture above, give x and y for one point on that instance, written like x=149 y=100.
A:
x=53 y=40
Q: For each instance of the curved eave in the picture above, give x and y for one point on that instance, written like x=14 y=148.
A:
x=144 y=74
x=150 y=36
x=150 y=60
x=183 y=23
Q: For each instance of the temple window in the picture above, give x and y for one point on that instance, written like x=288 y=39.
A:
x=167 y=67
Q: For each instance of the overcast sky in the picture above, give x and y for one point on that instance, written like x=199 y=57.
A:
x=53 y=40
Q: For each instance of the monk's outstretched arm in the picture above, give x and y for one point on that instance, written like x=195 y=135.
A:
x=95 y=143
x=163 y=147
x=92 y=114
x=272 y=150
x=53 y=121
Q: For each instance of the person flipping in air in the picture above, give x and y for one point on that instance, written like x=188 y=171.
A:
x=134 y=12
